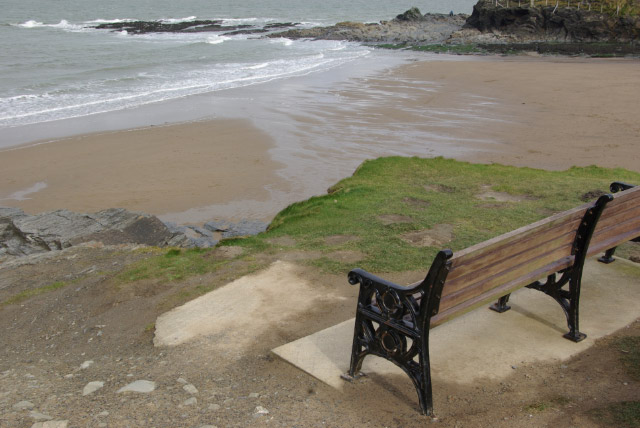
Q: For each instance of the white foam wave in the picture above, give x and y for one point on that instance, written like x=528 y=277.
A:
x=110 y=21
x=164 y=84
x=257 y=66
x=178 y=20
x=216 y=40
x=282 y=40
x=63 y=25
x=31 y=24
x=240 y=20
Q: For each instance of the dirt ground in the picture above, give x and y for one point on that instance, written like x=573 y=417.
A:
x=97 y=329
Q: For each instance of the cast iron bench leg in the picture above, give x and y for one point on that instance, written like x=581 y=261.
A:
x=501 y=306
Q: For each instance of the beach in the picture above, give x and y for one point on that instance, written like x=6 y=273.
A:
x=262 y=147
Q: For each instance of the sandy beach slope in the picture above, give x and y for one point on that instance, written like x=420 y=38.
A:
x=154 y=170
x=548 y=113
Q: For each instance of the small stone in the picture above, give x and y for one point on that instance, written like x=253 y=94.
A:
x=105 y=413
x=254 y=395
x=86 y=364
x=39 y=416
x=563 y=366
x=141 y=386
x=514 y=367
x=92 y=387
x=23 y=405
x=214 y=407
x=51 y=424
x=261 y=411
x=191 y=401
x=102 y=425
x=182 y=380
x=207 y=426
x=190 y=389
x=69 y=376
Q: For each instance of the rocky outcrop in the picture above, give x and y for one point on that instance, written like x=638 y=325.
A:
x=22 y=234
x=551 y=24
x=203 y=26
x=410 y=27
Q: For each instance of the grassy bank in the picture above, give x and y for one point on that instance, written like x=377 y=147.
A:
x=395 y=213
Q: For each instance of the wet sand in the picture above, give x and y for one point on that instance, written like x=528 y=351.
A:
x=154 y=170
x=289 y=140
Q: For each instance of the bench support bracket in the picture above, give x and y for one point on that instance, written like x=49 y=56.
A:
x=391 y=324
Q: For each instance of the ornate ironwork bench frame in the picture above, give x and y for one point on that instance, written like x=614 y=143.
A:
x=393 y=321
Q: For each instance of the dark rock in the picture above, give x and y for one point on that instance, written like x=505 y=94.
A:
x=551 y=24
x=429 y=29
x=231 y=230
x=245 y=228
x=15 y=243
x=22 y=234
x=412 y=14
x=202 y=26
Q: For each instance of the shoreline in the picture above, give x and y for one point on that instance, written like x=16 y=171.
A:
x=301 y=135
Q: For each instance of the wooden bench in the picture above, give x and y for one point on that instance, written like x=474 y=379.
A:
x=393 y=321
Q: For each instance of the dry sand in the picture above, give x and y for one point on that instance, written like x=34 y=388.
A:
x=547 y=113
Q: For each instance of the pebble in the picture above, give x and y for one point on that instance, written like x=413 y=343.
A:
x=190 y=389
x=191 y=401
x=182 y=380
x=254 y=395
x=261 y=411
x=23 y=405
x=214 y=407
x=92 y=387
x=39 y=416
x=142 y=386
x=51 y=424
x=86 y=364
x=207 y=426
x=104 y=413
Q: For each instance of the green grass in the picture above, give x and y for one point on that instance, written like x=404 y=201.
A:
x=174 y=265
x=629 y=347
x=26 y=294
x=552 y=403
x=428 y=191
x=620 y=415
x=383 y=187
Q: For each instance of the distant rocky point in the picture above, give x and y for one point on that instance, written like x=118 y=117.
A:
x=22 y=234
x=409 y=27
x=202 y=26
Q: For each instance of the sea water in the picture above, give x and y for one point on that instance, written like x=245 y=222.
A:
x=55 y=65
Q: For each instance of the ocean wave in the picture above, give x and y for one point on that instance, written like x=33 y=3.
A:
x=282 y=40
x=31 y=24
x=216 y=39
x=63 y=25
x=178 y=20
x=110 y=21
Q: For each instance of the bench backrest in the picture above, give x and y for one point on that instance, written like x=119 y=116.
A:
x=619 y=222
x=486 y=271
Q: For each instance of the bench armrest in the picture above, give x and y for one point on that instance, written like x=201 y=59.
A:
x=359 y=276
x=618 y=186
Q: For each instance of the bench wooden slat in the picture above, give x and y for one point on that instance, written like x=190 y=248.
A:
x=503 y=259
x=493 y=294
x=613 y=241
x=544 y=263
x=629 y=212
x=463 y=256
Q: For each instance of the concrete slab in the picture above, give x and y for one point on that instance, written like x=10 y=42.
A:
x=236 y=315
x=485 y=344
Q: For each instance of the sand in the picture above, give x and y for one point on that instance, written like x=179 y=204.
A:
x=286 y=142
x=154 y=170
